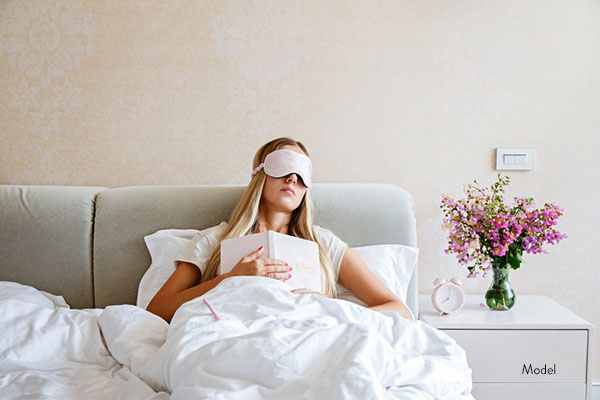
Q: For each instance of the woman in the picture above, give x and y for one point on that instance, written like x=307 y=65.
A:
x=282 y=204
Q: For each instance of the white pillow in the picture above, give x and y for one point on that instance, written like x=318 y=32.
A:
x=164 y=246
x=393 y=264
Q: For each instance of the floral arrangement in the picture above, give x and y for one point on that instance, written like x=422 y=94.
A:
x=483 y=230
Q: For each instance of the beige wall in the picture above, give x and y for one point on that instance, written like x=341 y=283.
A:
x=416 y=93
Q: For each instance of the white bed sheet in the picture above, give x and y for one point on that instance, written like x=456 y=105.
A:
x=52 y=352
x=273 y=344
x=85 y=382
x=270 y=344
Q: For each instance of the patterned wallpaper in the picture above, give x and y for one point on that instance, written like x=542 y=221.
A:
x=418 y=94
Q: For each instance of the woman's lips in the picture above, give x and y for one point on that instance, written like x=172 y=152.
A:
x=288 y=191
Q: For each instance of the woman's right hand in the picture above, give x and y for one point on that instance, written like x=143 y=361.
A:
x=252 y=265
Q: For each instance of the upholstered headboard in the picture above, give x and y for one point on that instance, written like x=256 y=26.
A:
x=87 y=243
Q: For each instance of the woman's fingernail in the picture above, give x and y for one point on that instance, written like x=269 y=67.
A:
x=260 y=247
x=290 y=268
x=293 y=290
x=287 y=264
x=289 y=275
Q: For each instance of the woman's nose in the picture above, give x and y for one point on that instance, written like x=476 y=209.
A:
x=293 y=177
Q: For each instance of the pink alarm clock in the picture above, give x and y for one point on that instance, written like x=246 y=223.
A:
x=448 y=297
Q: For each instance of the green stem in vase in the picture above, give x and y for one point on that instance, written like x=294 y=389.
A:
x=500 y=296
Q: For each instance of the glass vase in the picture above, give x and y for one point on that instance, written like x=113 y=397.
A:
x=500 y=296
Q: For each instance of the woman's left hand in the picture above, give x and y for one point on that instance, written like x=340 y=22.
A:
x=306 y=291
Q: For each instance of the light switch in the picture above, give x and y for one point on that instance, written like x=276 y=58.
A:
x=514 y=158
x=521 y=159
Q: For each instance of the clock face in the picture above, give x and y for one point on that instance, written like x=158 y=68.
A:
x=448 y=298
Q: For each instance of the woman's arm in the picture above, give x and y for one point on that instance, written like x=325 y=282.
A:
x=356 y=276
x=181 y=287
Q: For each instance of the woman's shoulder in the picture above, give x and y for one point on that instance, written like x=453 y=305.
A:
x=320 y=230
x=324 y=233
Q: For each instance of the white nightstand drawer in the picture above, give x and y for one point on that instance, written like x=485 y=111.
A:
x=528 y=391
x=507 y=355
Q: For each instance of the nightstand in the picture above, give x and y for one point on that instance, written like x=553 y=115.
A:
x=536 y=350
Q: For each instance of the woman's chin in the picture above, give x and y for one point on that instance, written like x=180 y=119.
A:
x=288 y=205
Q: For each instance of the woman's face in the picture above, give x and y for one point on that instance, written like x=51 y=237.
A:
x=276 y=191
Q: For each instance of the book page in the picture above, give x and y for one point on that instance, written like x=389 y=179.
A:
x=303 y=256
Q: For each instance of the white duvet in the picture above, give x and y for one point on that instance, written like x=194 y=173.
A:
x=269 y=344
x=51 y=352
x=274 y=344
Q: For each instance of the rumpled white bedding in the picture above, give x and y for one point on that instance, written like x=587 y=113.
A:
x=273 y=344
x=270 y=344
x=50 y=352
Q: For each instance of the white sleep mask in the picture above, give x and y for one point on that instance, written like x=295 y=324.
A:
x=283 y=162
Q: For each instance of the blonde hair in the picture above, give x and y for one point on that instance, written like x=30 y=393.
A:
x=245 y=215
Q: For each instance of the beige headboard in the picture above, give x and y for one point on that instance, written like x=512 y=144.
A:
x=86 y=243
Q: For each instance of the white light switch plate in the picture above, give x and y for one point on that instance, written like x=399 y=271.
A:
x=514 y=158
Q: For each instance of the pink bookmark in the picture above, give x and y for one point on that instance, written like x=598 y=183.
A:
x=217 y=318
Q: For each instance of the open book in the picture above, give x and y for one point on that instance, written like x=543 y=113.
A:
x=302 y=255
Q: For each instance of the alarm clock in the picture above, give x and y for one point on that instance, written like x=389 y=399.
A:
x=448 y=297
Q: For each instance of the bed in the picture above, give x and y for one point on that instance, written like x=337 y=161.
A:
x=71 y=262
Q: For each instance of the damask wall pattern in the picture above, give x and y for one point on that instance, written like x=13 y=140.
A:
x=44 y=42
x=415 y=93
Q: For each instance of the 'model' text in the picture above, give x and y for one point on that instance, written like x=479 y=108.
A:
x=539 y=371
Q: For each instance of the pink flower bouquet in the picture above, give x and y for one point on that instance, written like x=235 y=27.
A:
x=483 y=230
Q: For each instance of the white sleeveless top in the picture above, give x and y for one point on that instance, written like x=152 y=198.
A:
x=199 y=249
